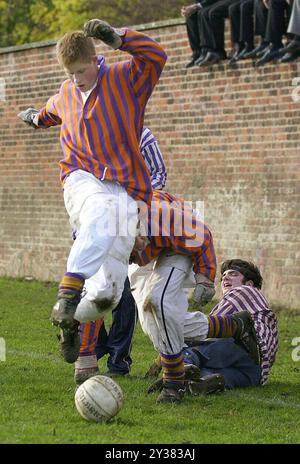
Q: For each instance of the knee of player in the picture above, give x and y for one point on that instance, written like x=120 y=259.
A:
x=106 y=299
x=105 y=304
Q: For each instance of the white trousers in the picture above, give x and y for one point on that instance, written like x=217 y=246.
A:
x=158 y=290
x=105 y=219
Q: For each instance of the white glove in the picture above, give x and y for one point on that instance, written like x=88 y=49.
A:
x=28 y=116
x=101 y=30
x=203 y=293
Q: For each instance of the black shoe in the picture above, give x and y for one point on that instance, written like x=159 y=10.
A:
x=191 y=372
x=293 y=46
x=258 y=51
x=154 y=369
x=270 y=55
x=207 y=384
x=240 y=52
x=201 y=57
x=64 y=310
x=243 y=53
x=155 y=386
x=245 y=335
x=233 y=58
x=171 y=393
x=211 y=58
x=289 y=57
x=193 y=59
x=234 y=53
x=69 y=344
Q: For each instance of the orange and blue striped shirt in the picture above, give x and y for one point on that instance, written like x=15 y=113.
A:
x=102 y=135
x=172 y=224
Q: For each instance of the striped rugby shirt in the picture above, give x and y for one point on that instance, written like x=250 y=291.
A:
x=154 y=159
x=171 y=226
x=251 y=299
x=102 y=135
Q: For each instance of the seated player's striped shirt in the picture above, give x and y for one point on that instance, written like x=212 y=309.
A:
x=246 y=298
x=102 y=134
x=154 y=159
x=172 y=224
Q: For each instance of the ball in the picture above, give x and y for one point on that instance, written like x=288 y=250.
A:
x=99 y=398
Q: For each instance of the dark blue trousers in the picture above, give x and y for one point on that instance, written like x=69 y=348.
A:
x=222 y=355
x=117 y=342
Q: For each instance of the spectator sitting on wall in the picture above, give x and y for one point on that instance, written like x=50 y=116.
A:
x=192 y=15
x=278 y=15
x=212 y=25
x=241 y=16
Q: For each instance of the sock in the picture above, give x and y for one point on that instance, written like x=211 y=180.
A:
x=71 y=282
x=221 y=326
x=173 y=368
x=89 y=332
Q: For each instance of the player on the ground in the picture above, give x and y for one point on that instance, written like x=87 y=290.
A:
x=232 y=362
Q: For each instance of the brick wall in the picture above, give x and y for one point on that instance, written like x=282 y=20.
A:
x=230 y=138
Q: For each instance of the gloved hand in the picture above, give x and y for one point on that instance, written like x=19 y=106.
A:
x=203 y=293
x=28 y=115
x=103 y=31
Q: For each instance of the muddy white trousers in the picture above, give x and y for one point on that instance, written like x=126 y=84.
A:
x=158 y=290
x=105 y=218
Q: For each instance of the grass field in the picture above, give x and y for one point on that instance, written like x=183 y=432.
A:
x=37 y=390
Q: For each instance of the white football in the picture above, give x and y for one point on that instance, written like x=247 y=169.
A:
x=99 y=398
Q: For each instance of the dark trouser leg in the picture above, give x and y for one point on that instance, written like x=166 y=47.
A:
x=223 y=356
x=261 y=16
x=206 y=34
x=118 y=342
x=193 y=33
x=247 y=22
x=276 y=23
x=217 y=15
x=234 y=13
x=102 y=342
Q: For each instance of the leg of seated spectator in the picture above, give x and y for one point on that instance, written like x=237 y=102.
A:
x=276 y=27
x=194 y=38
x=276 y=23
x=261 y=17
x=247 y=24
x=217 y=14
x=208 y=41
x=234 y=11
x=206 y=35
x=260 y=21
